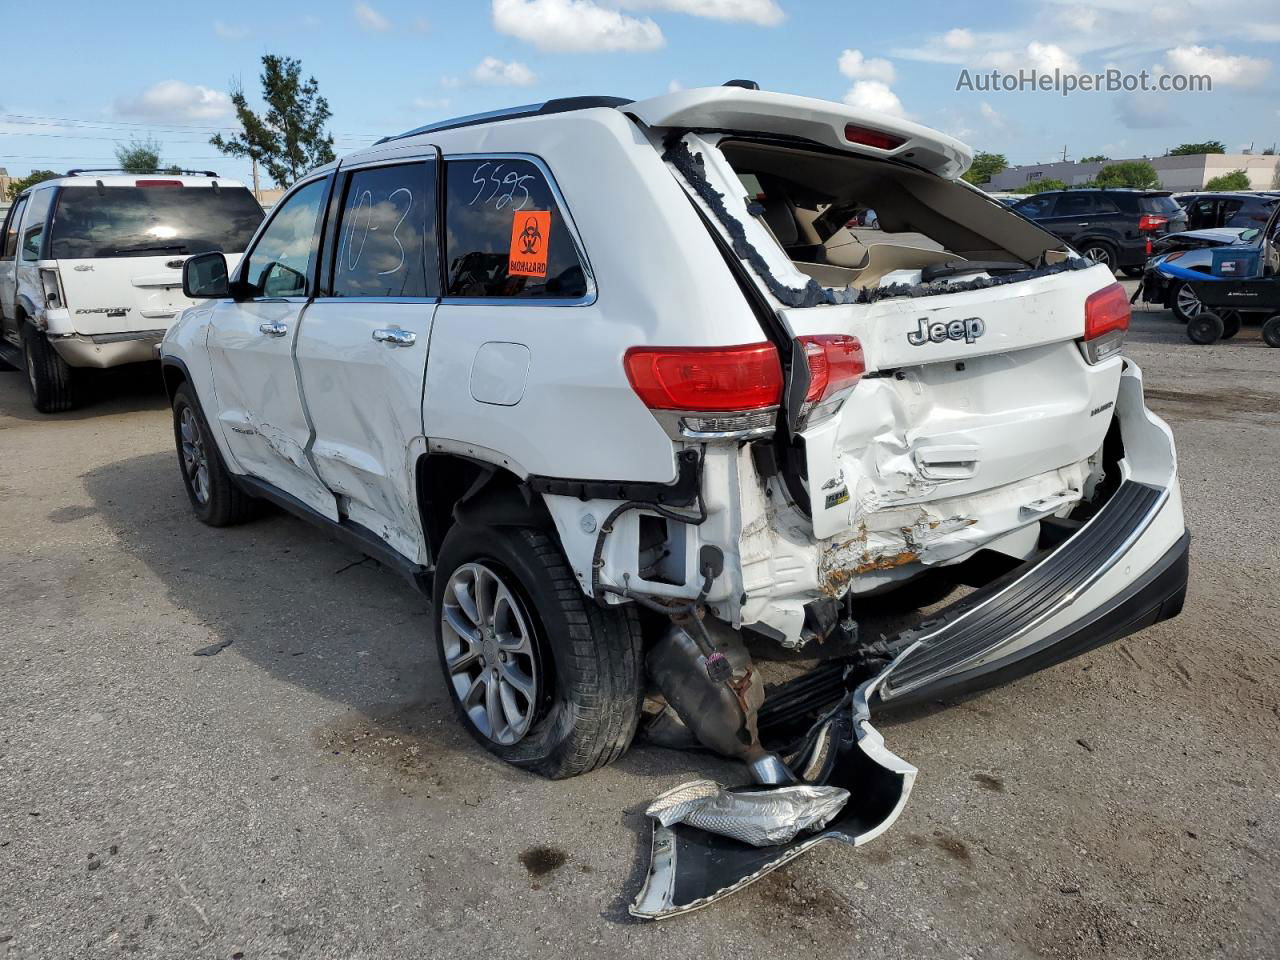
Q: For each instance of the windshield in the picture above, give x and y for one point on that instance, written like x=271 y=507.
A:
x=151 y=221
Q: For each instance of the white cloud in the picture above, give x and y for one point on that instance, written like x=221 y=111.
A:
x=1145 y=112
x=764 y=13
x=874 y=95
x=857 y=67
x=499 y=73
x=431 y=103
x=990 y=114
x=574 y=26
x=958 y=39
x=1227 y=70
x=370 y=19
x=1048 y=57
x=175 y=100
x=230 y=31
x=675 y=86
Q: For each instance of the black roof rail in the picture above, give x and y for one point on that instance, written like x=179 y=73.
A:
x=173 y=173
x=559 y=105
x=744 y=84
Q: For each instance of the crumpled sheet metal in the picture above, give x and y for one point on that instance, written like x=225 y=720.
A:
x=690 y=868
x=762 y=818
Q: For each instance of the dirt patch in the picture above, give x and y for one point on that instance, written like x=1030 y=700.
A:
x=404 y=742
x=988 y=782
x=70 y=514
x=953 y=847
x=540 y=861
x=1238 y=405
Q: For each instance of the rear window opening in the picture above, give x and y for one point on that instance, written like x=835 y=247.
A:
x=855 y=225
x=149 y=221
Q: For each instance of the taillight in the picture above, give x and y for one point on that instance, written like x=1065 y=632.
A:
x=872 y=138
x=1150 y=223
x=836 y=364
x=1106 y=320
x=157 y=183
x=52 y=288
x=712 y=392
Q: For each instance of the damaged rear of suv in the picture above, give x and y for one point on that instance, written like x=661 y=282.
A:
x=673 y=410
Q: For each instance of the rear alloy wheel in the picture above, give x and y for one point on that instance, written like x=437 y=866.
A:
x=540 y=674
x=1271 y=331
x=1102 y=253
x=1184 y=303
x=1206 y=328
x=49 y=378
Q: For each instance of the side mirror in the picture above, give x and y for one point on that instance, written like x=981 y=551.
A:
x=204 y=277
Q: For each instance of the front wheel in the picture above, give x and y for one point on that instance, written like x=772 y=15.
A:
x=1271 y=331
x=49 y=378
x=1185 y=302
x=539 y=674
x=214 y=495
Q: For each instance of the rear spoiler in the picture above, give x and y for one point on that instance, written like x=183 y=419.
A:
x=741 y=110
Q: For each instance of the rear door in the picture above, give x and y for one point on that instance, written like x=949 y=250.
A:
x=362 y=349
x=1074 y=218
x=1039 y=209
x=250 y=344
x=8 y=274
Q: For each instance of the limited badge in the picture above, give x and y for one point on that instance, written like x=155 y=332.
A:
x=838 y=497
x=530 y=235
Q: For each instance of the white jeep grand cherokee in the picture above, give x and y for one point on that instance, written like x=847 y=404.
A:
x=616 y=385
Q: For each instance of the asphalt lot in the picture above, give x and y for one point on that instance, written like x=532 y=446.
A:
x=305 y=792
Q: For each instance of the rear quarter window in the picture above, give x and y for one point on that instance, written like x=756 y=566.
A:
x=1036 y=207
x=1161 y=205
x=505 y=234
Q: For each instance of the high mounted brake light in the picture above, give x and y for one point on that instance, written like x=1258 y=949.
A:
x=1106 y=320
x=709 y=392
x=157 y=183
x=836 y=364
x=867 y=137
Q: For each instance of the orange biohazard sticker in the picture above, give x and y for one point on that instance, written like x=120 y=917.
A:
x=530 y=235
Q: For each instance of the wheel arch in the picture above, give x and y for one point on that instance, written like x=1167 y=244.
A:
x=452 y=487
x=175 y=374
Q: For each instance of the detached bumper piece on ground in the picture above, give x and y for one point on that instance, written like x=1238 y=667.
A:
x=962 y=650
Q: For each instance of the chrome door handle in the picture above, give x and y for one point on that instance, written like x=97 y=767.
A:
x=273 y=329
x=396 y=337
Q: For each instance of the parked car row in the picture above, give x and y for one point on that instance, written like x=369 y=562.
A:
x=444 y=351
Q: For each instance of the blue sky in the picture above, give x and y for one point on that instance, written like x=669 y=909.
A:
x=163 y=71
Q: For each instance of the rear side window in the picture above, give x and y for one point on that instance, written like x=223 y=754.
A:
x=1161 y=205
x=505 y=234
x=33 y=229
x=1078 y=205
x=152 y=221
x=387 y=234
x=11 y=229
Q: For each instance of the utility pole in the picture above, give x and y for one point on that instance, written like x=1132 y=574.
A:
x=257 y=194
x=1064 y=153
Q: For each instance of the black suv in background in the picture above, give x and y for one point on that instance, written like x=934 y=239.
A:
x=1114 y=227
x=1208 y=210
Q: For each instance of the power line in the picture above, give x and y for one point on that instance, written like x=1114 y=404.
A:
x=40 y=120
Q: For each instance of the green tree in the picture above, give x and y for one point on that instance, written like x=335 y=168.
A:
x=1235 y=180
x=30 y=180
x=1189 y=149
x=139 y=156
x=984 y=167
x=290 y=138
x=1040 y=186
x=1098 y=158
x=1131 y=173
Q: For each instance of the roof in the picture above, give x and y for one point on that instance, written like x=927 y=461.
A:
x=559 y=105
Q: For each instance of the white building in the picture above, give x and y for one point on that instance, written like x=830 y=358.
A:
x=1176 y=173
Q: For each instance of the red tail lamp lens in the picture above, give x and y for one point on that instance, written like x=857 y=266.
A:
x=836 y=363
x=1105 y=311
x=720 y=379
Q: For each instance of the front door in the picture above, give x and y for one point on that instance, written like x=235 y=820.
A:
x=9 y=276
x=362 y=350
x=251 y=344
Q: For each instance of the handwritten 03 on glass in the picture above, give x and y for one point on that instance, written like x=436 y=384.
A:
x=505 y=233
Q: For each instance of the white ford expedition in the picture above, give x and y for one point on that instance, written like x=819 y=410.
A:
x=614 y=383
x=90 y=271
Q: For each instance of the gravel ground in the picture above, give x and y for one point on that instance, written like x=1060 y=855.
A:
x=306 y=793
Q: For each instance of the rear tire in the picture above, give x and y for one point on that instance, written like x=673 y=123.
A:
x=49 y=378
x=578 y=663
x=215 y=497
x=1204 y=329
x=1271 y=331
x=1230 y=323
x=1099 y=251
